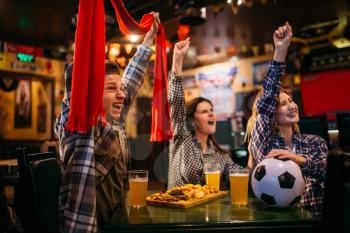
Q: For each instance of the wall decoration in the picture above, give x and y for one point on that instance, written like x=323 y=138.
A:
x=2 y=59
x=23 y=105
x=42 y=112
x=216 y=85
x=189 y=82
x=325 y=92
x=259 y=71
x=8 y=84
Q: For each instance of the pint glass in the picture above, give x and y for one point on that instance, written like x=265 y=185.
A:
x=138 y=180
x=212 y=175
x=239 y=186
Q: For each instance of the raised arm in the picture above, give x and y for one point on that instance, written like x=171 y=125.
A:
x=135 y=71
x=260 y=142
x=79 y=176
x=176 y=88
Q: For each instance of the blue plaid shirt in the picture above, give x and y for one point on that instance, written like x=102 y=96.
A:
x=264 y=138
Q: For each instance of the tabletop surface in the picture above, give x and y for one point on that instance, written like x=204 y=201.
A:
x=218 y=212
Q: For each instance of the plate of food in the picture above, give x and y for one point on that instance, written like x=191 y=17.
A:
x=185 y=196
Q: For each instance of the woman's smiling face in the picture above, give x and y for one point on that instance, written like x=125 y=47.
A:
x=287 y=113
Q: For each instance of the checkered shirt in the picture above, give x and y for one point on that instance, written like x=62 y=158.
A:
x=264 y=138
x=186 y=158
x=78 y=189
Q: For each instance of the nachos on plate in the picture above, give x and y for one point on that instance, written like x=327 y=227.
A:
x=183 y=193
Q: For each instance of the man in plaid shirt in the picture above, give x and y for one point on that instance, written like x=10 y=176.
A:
x=273 y=130
x=95 y=164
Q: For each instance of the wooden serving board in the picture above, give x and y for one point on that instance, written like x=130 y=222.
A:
x=189 y=203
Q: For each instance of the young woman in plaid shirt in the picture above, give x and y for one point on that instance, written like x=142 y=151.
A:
x=272 y=130
x=193 y=144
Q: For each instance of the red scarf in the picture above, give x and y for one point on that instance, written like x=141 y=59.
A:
x=89 y=71
x=161 y=125
x=86 y=104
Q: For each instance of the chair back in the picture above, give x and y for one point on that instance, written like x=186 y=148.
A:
x=343 y=122
x=316 y=125
x=40 y=181
x=223 y=133
x=336 y=204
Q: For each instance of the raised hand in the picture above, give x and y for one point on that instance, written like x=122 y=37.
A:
x=180 y=50
x=282 y=38
x=150 y=35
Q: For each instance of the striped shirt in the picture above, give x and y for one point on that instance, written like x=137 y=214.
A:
x=264 y=138
x=186 y=158
x=81 y=168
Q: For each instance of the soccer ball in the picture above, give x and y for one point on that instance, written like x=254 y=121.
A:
x=278 y=183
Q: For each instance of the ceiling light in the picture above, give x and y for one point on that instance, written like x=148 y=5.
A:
x=204 y=12
x=114 y=50
x=133 y=38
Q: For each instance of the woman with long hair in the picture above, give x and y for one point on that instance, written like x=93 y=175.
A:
x=272 y=130
x=194 y=125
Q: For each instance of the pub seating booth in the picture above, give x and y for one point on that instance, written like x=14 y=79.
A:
x=36 y=195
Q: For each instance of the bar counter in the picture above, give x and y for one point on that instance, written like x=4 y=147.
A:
x=214 y=216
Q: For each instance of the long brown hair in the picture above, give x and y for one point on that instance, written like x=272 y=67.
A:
x=191 y=108
x=253 y=117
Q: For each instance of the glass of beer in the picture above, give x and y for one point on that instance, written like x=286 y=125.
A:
x=212 y=175
x=239 y=186
x=138 y=180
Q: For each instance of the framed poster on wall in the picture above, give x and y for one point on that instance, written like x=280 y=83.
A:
x=215 y=84
x=27 y=110
x=23 y=104
x=259 y=71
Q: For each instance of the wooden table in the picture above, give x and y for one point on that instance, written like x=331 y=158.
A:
x=215 y=216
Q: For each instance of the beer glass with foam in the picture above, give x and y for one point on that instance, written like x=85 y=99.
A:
x=138 y=180
x=212 y=175
x=239 y=186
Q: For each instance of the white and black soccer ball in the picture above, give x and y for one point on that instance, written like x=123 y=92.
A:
x=278 y=183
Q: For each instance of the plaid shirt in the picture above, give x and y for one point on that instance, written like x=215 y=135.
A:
x=186 y=158
x=133 y=78
x=264 y=138
x=78 y=190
